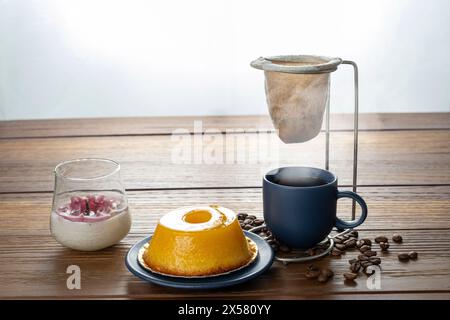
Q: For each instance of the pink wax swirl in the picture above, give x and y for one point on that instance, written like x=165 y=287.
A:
x=88 y=208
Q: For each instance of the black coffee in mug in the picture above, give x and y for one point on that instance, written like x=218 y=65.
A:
x=300 y=205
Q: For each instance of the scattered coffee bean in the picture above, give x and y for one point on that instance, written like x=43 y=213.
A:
x=313 y=267
x=248 y=221
x=363 y=242
x=354 y=267
x=354 y=233
x=397 y=238
x=381 y=239
x=365 y=248
x=350 y=243
x=384 y=246
x=241 y=216
x=252 y=217
x=328 y=272
x=413 y=255
x=247 y=227
x=350 y=276
x=352 y=261
x=336 y=252
x=341 y=246
x=312 y=274
x=365 y=264
x=375 y=260
x=284 y=248
x=258 y=222
x=370 y=253
x=363 y=257
x=403 y=257
x=322 y=278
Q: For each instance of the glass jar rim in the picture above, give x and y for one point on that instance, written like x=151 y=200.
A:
x=58 y=173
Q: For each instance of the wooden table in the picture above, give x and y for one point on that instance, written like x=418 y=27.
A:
x=404 y=175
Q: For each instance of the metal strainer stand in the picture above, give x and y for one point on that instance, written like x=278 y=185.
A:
x=330 y=66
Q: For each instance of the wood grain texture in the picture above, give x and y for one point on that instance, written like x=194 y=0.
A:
x=166 y=125
x=389 y=207
x=39 y=270
x=240 y=160
x=406 y=149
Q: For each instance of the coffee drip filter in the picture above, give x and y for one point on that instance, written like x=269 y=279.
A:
x=298 y=95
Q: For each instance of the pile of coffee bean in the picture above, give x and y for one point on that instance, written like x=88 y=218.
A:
x=367 y=256
x=248 y=222
x=321 y=275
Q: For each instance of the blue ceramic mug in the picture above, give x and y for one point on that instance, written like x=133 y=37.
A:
x=300 y=205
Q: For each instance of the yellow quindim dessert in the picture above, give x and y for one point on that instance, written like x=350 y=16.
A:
x=198 y=241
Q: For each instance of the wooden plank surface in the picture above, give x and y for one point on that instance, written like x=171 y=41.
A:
x=149 y=162
x=404 y=165
x=166 y=125
x=389 y=207
x=39 y=270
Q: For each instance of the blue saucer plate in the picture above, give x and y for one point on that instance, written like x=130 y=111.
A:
x=262 y=262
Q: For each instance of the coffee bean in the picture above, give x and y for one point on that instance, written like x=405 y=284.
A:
x=365 y=264
x=381 y=239
x=270 y=241
x=313 y=267
x=247 y=227
x=341 y=246
x=284 y=248
x=322 y=278
x=370 y=253
x=354 y=267
x=336 y=240
x=350 y=243
x=375 y=260
x=327 y=272
x=360 y=243
x=354 y=233
x=403 y=257
x=397 y=238
x=363 y=242
x=312 y=274
x=350 y=276
x=413 y=255
x=352 y=261
x=345 y=236
x=311 y=252
x=258 y=222
x=336 y=252
x=340 y=238
x=384 y=246
x=363 y=257
x=252 y=217
x=241 y=216
x=365 y=248
x=248 y=221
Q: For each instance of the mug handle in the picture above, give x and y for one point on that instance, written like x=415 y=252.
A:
x=341 y=224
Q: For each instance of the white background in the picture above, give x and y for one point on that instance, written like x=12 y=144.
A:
x=95 y=58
